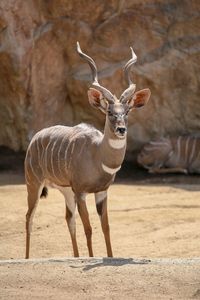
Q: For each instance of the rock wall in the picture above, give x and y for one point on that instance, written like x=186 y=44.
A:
x=44 y=82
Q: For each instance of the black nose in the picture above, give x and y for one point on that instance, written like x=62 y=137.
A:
x=121 y=130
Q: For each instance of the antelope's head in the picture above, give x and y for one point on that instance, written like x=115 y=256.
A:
x=116 y=109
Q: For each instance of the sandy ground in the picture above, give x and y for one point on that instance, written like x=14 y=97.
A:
x=149 y=219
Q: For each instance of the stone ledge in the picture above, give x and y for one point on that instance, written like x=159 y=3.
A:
x=106 y=261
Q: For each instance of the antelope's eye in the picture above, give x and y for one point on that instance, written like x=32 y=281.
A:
x=109 y=113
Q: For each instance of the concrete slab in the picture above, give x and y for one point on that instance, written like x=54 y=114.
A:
x=100 y=278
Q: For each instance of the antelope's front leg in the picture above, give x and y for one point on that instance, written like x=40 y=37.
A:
x=101 y=206
x=83 y=212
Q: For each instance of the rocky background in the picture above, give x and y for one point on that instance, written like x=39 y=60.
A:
x=44 y=82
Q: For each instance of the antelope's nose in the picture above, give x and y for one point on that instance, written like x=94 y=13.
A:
x=121 y=130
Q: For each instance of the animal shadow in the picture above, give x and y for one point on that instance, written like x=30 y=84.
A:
x=115 y=262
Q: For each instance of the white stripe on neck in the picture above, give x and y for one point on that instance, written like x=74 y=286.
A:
x=110 y=170
x=117 y=144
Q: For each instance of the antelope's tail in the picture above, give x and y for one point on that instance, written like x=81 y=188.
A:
x=44 y=193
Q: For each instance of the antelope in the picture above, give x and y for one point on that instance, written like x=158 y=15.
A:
x=79 y=160
x=171 y=155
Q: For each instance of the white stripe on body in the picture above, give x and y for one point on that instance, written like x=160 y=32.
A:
x=38 y=152
x=52 y=161
x=159 y=143
x=59 y=158
x=150 y=148
x=68 y=160
x=43 y=150
x=66 y=153
x=178 y=149
x=82 y=148
x=186 y=150
x=41 y=136
x=32 y=169
x=71 y=154
x=63 y=138
x=46 y=158
x=110 y=171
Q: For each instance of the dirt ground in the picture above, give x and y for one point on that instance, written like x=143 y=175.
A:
x=148 y=219
x=151 y=217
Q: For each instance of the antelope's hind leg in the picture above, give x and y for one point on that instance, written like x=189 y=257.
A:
x=70 y=216
x=34 y=193
x=101 y=206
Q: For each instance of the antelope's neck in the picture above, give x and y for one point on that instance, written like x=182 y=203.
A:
x=112 y=149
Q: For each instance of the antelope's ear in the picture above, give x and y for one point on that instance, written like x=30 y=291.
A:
x=139 y=99
x=97 y=100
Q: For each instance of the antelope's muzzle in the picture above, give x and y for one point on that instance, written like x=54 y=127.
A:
x=121 y=131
